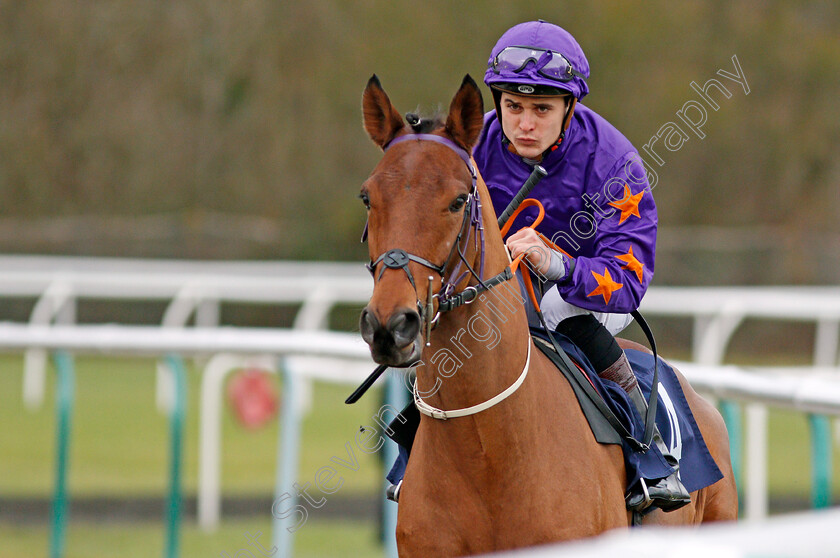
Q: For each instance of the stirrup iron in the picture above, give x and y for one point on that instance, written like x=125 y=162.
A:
x=393 y=492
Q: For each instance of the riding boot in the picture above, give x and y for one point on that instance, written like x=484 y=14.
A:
x=668 y=493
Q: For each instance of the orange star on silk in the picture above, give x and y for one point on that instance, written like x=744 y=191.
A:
x=606 y=285
x=633 y=264
x=629 y=204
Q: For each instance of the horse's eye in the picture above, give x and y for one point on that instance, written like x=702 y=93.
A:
x=458 y=203
x=365 y=199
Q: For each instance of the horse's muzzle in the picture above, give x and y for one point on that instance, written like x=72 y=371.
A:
x=398 y=342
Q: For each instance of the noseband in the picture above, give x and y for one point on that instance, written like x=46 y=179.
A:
x=446 y=297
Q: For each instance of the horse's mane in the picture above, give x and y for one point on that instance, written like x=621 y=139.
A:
x=421 y=124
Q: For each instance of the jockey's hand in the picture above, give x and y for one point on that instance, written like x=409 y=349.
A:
x=526 y=241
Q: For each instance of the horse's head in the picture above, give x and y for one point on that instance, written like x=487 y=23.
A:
x=420 y=203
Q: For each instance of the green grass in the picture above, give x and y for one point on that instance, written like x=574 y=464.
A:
x=119 y=441
x=119 y=447
x=789 y=459
x=317 y=539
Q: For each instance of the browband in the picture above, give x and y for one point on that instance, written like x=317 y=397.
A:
x=462 y=153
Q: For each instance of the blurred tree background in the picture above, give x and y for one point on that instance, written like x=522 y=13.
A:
x=216 y=129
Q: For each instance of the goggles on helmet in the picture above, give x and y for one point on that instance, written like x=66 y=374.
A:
x=550 y=64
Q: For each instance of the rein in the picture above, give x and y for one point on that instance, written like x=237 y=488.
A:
x=449 y=300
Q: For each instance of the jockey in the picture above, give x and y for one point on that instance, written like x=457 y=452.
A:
x=598 y=207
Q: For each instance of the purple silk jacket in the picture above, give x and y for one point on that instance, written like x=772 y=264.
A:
x=598 y=208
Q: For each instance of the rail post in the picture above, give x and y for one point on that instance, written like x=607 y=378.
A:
x=397 y=396
x=288 y=450
x=820 y=461
x=176 y=429
x=64 y=410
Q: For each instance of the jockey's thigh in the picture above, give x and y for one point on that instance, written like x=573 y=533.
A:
x=555 y=310
x=614 y=323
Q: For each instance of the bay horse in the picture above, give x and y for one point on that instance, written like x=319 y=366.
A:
x=503 y=456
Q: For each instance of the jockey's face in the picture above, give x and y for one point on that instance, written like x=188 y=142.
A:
x=532 y=124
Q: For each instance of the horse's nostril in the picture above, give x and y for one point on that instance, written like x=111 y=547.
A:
x=404 y=326
x=368 y=324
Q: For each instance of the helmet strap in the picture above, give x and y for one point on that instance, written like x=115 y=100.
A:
x=569 y=113
x=567 y=121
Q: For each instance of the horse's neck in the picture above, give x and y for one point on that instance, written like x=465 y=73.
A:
x=478 y=350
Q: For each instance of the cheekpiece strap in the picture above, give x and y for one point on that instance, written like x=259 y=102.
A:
x=471 y=293
x=398 y=259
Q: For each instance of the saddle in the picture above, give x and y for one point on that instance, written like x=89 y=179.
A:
x=602 y=429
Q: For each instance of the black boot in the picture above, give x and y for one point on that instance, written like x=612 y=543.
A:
x=668 y=494
x=610 y=362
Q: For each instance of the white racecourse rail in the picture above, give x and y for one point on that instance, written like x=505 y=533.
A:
x=801 y=535
x=196 y=289
x=157 y=340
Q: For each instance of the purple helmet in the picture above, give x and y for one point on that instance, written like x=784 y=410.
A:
x=538 y=58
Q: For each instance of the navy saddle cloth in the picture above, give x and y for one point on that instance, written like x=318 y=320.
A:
x=673 y=417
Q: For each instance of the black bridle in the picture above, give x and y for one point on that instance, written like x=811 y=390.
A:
x=471 y=227
x=447 y=298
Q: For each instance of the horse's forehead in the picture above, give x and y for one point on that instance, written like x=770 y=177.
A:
x=422 y=167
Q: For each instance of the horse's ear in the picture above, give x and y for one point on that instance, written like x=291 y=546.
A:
x=382 y=121
x=466 y=114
